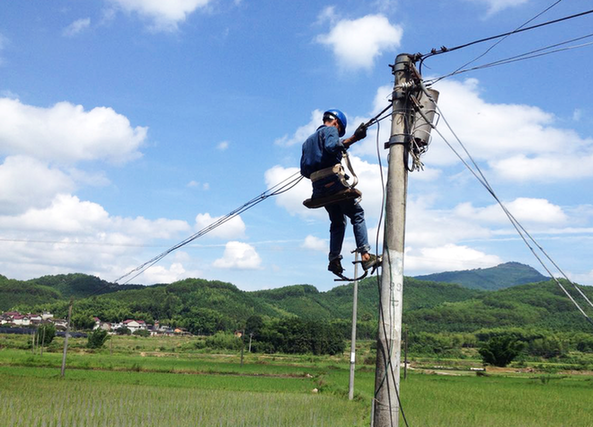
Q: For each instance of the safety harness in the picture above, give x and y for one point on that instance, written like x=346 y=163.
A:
x=337 y=170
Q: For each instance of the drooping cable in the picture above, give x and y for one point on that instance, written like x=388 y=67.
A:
x=525 y=236
x=277 y=189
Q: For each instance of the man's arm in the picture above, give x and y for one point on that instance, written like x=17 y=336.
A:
x=359 y=133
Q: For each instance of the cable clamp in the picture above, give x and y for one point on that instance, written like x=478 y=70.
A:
x=401 y=138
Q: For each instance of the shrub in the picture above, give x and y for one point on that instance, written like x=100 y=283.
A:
x=501 y=350
x=45 y=334
x=224 y=341
x=97 y=338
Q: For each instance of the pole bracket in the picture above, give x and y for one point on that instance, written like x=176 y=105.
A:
x=402 y=139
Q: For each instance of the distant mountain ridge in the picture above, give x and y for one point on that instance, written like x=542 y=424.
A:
x=489 y=279
x=205 y=306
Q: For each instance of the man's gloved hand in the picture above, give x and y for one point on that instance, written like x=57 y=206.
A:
x=360 y=132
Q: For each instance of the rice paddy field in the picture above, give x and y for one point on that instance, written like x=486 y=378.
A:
x=156 y=385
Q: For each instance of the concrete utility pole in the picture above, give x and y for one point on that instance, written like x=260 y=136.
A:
x=386 y=402
x=353 y=340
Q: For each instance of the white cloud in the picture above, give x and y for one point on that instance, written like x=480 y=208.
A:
x=77 y=27
x=239 y=256
x=546 y=167
x=315 y=244
x=92 y=179
x=430 y=227
x=495 y=6
x=26 y=183
x=222 y=146
x=582 y=278
x=446 y=258
x=234 y=228
x=357 y=43
x=71 y=235
x=161 y=274
x=8 y=94
x=67 y=133
x=292 y=200
x=199 y=185
x=387 y=6
x=519 y=142
x=303 y=132
x=69 y=215
x=165 y=15
x=525 y=210
x=328 y=14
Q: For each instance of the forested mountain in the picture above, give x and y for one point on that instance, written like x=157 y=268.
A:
x=307 y=302
x=205 y=306
x=79 y=285
x=499 y=277
x=540 y=305
x=15 y=292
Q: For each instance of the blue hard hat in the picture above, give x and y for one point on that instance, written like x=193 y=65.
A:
x=341 y=119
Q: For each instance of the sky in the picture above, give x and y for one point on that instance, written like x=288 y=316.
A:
x=127 y=126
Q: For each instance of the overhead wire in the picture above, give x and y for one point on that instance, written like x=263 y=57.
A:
x=523 y=233
x=444 y=49
x=521 y=57
x=279 y=188
x=503 y=37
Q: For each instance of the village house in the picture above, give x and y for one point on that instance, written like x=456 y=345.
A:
x=14 y=318
x=105 y=326
x=20 y=320
x=135 y=325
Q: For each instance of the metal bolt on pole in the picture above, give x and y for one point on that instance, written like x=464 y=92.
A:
x=386 y=403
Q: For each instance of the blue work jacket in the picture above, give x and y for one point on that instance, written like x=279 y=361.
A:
x=321 y=150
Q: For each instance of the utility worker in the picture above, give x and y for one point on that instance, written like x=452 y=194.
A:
x=322 y=154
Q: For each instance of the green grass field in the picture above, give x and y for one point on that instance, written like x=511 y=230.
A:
x=146 y=386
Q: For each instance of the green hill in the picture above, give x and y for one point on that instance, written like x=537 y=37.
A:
x=205 y=306
x=499 y=277
x=540 y=305
x=79 y=285
x=307 y=302
x=14 y=293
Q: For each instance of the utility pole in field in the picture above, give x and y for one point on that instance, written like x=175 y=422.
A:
x=353 y=337
x=409 y=138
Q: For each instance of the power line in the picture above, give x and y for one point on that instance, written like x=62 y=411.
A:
x=504 y=37
x=521 y=57
x=523 y=233
x=277 y=189
x=282 y=187
x=444 y=49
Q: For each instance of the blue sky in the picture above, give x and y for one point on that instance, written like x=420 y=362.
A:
x=127 y=126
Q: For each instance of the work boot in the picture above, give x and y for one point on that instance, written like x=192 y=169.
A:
x=373 y=262
x=335 y=266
